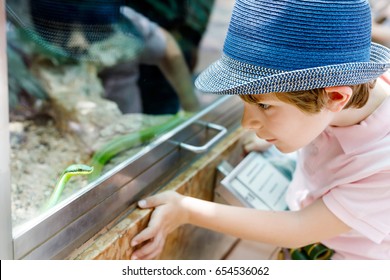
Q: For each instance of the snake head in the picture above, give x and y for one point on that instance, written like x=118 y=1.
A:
x=71 y=170
x=76 y=169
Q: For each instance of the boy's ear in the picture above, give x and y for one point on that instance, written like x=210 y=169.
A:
x=338 y=97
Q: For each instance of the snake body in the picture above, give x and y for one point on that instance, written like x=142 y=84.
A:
x=110 y=150
x=71 y=170
x=128 y=141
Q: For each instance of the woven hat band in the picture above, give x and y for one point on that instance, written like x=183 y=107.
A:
x=230 y=76
x=291 y=35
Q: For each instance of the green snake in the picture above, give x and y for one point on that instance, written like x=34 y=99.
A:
x=110 y=150
x=125 y=142
x=71 y=170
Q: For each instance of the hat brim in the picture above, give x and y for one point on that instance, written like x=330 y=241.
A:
x=231 y=77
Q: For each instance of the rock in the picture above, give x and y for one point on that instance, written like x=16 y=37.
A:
x=75 y=93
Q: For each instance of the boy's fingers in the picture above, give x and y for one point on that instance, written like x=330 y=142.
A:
x=151 y=256
x=147 y=234
x=151 y=249
x=154 y=254
x=153 y=201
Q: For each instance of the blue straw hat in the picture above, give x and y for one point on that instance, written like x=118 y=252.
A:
x=293 y=45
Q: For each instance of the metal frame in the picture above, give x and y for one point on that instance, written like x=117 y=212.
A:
x=6 y=250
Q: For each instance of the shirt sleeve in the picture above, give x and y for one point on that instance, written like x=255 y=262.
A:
x=154 y=39
x=363 y=205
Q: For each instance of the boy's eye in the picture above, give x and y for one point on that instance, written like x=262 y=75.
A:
x=263 y=106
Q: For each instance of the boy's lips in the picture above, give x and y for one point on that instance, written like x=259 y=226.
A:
x=270 y=140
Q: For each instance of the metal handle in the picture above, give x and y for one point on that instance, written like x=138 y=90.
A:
x=201 y=149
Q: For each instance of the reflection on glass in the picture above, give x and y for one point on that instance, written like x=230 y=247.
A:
x=77 y=95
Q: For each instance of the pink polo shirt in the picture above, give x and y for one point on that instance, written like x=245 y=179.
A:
x=349 y=168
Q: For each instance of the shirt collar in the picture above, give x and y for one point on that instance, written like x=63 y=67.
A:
x=372 y=129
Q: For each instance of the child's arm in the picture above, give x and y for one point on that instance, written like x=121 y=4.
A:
x=175 y=70
x=283 y=228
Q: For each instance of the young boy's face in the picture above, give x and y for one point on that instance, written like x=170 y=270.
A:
x=283 y=124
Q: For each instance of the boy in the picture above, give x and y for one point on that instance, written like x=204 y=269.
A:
x=306 y=71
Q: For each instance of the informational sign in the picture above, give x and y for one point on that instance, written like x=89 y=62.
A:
x=255 y=183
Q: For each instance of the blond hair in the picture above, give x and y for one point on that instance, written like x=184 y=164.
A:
x=312 y=101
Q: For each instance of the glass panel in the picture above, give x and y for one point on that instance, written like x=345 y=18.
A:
x=93 y=83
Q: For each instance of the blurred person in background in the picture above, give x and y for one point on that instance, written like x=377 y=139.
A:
x=186 y=21
x=381 y=21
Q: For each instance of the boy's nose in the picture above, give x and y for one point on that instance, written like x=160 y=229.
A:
x=249 y=119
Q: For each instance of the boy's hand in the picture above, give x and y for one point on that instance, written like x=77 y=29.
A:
x=166 y=217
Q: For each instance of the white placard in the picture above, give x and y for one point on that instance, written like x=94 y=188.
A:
x=256 y=183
